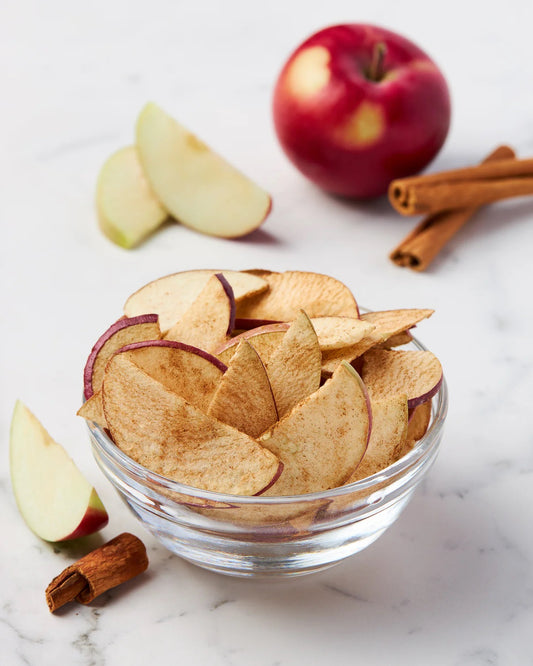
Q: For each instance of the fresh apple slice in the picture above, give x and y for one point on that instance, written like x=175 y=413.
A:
x=386 y=324
x=210 y=319
x=415 y=373
x=188 y=371
x=319 y=295
x=294 y=368
x=389 y=431
x=321 y=441
x=197 y=186
x=244 y=398
x=93 y=410
x=265 y=340
x=122 y=332
x=53 y=496
x=419 y=419
x=171 y=296
x=128 y=212
x=161 y=431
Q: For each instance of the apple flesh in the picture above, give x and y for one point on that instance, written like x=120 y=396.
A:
x=357 y=106
x=127 y=210
x=53 y=496
x=197 y=186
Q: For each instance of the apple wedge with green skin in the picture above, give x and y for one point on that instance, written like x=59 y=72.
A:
x=319 y=295
x=389 y=431
x=54 y=498
x=128 y=211
x=122 y=332
x=160 y=430
x=199 y=188
x=294 y=368
x=188 y=371
x=172 y=295
x=244 y=398
x=418 y=374
x=321 y=442
x=210 y=319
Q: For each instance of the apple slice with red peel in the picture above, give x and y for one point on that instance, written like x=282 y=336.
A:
x=55 y=499
x=389 y=431
x=319 y=295
x=93 y=410
x=122 y=332
x=419 y=420
x=265 y=340
x=198 y=187
x=387 y=324
x=321 y=442
x=163 y=432
x=243 y=324
x=294 y=368
x=171 y=296
x=244 y=398
x=210 y=319
x=128 y=211
x=188 y=371
x=418 y=374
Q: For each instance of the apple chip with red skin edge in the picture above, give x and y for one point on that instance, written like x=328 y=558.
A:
x=265 y=340
x=210 y=319
x=294 y=368
x=419 y=419
x=54 y=498
x=188 y=371
x=319 y=295
x=418 y=374
x=387 y=324
x=124 y=331
x=321 y=441
x=163 y=432
x=172 y=295
x=389 y=431
x=243 y=398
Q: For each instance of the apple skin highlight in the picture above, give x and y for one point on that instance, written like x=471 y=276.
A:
x=352 y=135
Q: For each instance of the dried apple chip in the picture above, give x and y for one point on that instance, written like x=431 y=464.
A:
x=93 y=410
x=294 y=368
x=321 y=441
x=265 y=340
x=419 y=419
x=319 y=295
x=243 y=398
x=415 y=373
x=210 y=319
x=163 y=432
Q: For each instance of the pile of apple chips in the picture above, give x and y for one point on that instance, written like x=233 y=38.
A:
x=256 y=382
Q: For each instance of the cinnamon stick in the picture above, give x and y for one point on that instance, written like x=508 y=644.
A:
x=418 y=249
x=117 y=561
x=462 y=188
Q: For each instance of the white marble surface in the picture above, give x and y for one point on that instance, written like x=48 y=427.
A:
x=451 y=583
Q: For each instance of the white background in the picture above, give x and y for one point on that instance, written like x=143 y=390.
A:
x=451 y=583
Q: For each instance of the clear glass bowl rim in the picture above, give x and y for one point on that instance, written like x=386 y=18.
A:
x=422 y=449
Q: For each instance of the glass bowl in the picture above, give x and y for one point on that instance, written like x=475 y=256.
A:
x=270 y=536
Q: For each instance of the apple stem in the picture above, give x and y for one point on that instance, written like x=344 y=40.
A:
x=375 y=73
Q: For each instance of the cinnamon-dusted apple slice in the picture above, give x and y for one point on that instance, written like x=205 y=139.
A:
x=389 y=431
x=403 y=338
x=418 y=374
x=264 y=339
x=387 y=324
x=210 y=319
x=243 y=398
x=338 y=332
x=122 y=332
x=163 y=432
x=198 y=187
x=127 y=209
x=319 y=295
x=294 y=368
x=171 y=296
x=323 y=438
x=93 y=410
x=419 y=419
x=188 y=371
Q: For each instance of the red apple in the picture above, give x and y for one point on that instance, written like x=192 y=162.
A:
x=357 y=106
